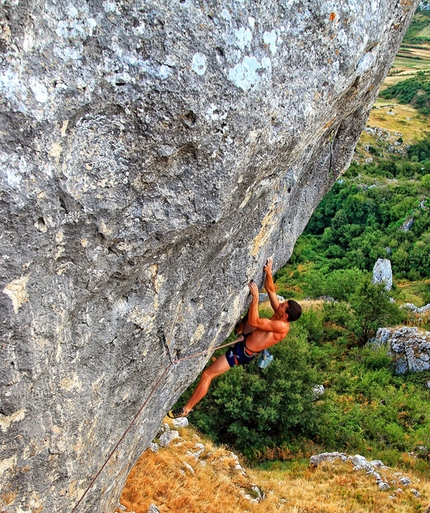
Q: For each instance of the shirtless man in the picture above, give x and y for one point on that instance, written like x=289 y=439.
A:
x=257 y=334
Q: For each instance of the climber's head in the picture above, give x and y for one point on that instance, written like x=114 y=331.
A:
x=290 y=309
x=294 y=310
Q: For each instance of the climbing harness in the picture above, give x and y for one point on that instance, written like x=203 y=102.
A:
x=171 y=364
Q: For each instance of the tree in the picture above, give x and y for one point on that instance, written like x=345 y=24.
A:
x=371 y=309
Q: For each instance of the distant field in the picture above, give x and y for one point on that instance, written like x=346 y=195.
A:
x=400 y=125
x=425 y=32
x=410 y=59
x=399 y=121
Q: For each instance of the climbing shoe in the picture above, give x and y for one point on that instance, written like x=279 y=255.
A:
x=175 y=414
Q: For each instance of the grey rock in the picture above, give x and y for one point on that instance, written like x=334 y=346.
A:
x=182 y=422
x=260 y=495
x=382 y=273
x=407 y=225
x=199 y=448
x=165 y=439
x=405 y=481
x=317 y=459
x=383 y=486
x=188 y=467
x=174 y=435
x=377 y=464
x=240 y=469
x=166 y=436
x=422 y=450
x=153 y=154
x=417 y=309
x=166 y=151
x=359 y=462
x=198 y=451
x=154 y=447
x=234 y=456
x=409 y=348
x=318 y=391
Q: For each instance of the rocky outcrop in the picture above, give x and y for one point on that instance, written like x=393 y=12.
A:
x=192 y=462
x=409 y=347
x=382 y=273
x=384 y=478
x=153 y=154
x=417 y=309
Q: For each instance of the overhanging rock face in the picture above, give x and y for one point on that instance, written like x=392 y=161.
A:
x=153 y=154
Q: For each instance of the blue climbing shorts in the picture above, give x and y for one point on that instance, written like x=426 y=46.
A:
x=236 y=355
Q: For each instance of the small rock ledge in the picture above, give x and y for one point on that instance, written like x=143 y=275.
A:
x=409 y=347
x=384 y=477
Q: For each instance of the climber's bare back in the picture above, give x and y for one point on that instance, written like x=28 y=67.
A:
x=267 y=332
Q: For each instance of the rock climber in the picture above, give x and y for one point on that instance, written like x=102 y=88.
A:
x=256 y=334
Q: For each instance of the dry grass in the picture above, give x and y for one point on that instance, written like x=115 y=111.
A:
x=398 y=119
x=335 y=488
x=314 y=304
x=176 y=481
x=306 y=304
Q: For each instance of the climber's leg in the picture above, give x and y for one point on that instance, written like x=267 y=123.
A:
x=220 y=366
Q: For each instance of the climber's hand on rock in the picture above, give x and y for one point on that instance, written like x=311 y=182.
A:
x=268 y=266
x=253 y=289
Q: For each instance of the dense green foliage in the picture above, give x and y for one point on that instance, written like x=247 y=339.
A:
x=273 y=413
x=360 y=221
x=415 y=91
x=365 y=310
x=416 y=33
x=368 y=409
x=420 y=152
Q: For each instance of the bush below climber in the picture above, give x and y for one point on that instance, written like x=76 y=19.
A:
x=257 y=334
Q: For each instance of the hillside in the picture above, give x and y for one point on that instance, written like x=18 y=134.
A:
x=380 y=207
x=193 y=475
x=393 y=125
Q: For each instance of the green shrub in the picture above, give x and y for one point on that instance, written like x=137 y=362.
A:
x=425 y=180
x=415 y=91
x=251 y=408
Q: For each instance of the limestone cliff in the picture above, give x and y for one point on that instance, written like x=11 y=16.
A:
x=153 y=154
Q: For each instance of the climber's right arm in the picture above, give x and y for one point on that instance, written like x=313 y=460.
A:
x=269 y=285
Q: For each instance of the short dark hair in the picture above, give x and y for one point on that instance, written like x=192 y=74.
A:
x=294 y=310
